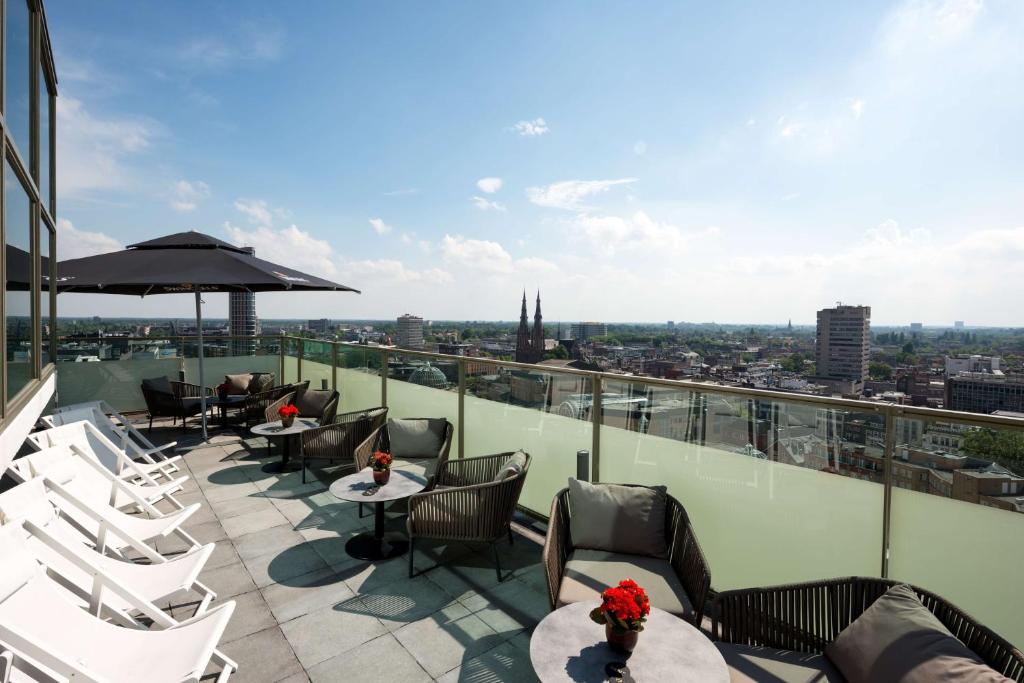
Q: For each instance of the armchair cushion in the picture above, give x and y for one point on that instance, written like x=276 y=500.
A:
x=311 y=403
x=899 y=639
x=751 y=664
x=416 y=438
x=589 y=572
x=239 y=383
x=513 y=466
x=160 y=385
x=619 y=519
x=261 y=381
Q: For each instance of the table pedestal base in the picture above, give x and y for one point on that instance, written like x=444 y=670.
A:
x=371 y=549
x=278 y=467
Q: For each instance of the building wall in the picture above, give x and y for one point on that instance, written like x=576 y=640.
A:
x=843 y=342
x=410 y=332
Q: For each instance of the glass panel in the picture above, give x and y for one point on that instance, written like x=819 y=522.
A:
x=316 y=364
x=45 y=321
x=510 y=409
x=291 y=361
x=18 y=297
x=45 y=117
x=220 y=359
x=18 y=67
x=956 y=525
x=358 y=375
x=778 y=491
x=419 y=387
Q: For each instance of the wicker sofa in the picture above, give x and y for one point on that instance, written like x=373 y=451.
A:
x=678 y=584
x=780 y=633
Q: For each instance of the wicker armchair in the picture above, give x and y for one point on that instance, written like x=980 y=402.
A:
x=379 y=441
x=180 y=402
x=469 y=503
x=324 y=417
x=685 y=560
x=337 y=441
x=805 y=617
x=256 y=404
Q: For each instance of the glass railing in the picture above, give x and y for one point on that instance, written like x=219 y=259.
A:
x=780 y=487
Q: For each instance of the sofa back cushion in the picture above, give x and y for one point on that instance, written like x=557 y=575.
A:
x=898 y=639
x=160 y=385
x=238 y=384
x=512 y=467
x=619 y=519
x=261 y=381
x=311 y=403
x=416 y=437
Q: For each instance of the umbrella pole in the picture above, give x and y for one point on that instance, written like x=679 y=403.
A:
x=202 y=383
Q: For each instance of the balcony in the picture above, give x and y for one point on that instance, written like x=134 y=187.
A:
x=781 y=488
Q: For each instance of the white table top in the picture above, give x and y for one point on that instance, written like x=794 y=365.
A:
x=568 y=646
x=402 y=484
x=276 y=428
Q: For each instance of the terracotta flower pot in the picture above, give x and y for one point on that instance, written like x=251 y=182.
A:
x=381 y=477
x=288 y=421
x=621 y=641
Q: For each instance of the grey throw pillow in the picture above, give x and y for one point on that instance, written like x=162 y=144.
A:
x=261 y=381
x=416 y=438
x=619 y=519
x=515 y=464
x=898 y=639
x=311 y=403
x=238 y=384
x=161 y=385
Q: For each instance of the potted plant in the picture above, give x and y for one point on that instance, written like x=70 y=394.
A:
x=288 y=414
x=222 y=390
x=623 y=611
x=381 y=461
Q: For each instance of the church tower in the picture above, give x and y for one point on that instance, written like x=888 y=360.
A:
x=537 y=337
x=523 y=348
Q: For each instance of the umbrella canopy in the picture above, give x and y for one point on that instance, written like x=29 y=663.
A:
x=186 y=262
x=183 y=263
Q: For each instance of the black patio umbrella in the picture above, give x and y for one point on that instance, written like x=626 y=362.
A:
x=186 y=262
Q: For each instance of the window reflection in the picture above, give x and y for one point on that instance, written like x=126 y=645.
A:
x=45 y=117
x=45 y=322
x=18 y=72
x=18 y=297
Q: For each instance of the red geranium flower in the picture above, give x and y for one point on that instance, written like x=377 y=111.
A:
x=380 y=461
x=285 y=411
x=625 y=607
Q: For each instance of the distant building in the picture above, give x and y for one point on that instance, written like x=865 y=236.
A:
x=321 y=326
x=530 y=342
x=976 y=363
x=842 y=345
x=242 y=320
x=958 y=324
x=916 y=327
x=671 y=325
x=980 y=392
x=589 y=330
x=410 y=332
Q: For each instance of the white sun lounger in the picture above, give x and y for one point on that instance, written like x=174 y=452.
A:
x=118 y=430
x=82 y=490
x=39 y=622
x=60 y=548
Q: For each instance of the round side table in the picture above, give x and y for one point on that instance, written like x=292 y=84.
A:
x=360 y=488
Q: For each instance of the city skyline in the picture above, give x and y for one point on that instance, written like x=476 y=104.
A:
x=730 y=164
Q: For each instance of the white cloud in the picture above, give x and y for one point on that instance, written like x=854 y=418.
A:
x=569 y=194
x=531 y=129
x=256 y=210
x=294 y=247
x=75 y=243
x=186 y=194
x=94 y=150
x=639 y=148
x=857 y=108
x=390 y=270
x=407 y=239
x=488 y=256
x=485 y=204
x=489 y=185
x=402 y=192
x=609 y=235
x=247 y=44
x=379 y=226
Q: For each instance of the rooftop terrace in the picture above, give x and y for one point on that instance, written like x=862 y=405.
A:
x=306 y=610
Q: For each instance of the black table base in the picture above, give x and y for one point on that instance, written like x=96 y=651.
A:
x=372 y=549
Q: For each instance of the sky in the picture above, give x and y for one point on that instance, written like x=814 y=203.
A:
x=729 y=162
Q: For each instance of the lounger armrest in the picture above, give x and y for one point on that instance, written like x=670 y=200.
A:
x=6 y=664
x=30 y=650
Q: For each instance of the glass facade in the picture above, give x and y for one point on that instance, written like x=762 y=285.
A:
x=18 y=308
x=18 y=68
x=46 y=103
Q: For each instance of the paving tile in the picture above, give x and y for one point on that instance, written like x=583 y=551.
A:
x=218 y=492
x=201 y=516
x=509 y=608
x=234 y=507
x=208 y=532
x=403 y=601
x=503 y=664
x=265 y=541
x=264 y=656
x=228 y=581
x=441 y=641
x=281 y=565
x=223 y=554
x=253 y=521
x=307 y=593
x=461 y=575
x=251 y=615
x=295 y=678
x=326 y=633
x=381 y=660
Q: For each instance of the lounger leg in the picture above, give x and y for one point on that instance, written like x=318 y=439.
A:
x=150 y=424
x=497 y=561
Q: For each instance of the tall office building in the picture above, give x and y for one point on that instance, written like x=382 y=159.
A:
x=589 y=330
x=984 y=392
x=321 y=326
x=242 y=320
x=410 y=332
x=844 y=338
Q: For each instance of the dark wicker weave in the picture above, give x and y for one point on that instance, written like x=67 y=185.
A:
x=805 y=617
x=174 y=405
x=379 y=441
x=336 y=442
x=685 y=556
x=326 y=417
x=467 y=504
x=256 y=404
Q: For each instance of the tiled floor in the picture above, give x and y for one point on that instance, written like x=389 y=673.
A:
x=305 y=610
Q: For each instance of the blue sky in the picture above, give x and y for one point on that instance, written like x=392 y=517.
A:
x=730 y=162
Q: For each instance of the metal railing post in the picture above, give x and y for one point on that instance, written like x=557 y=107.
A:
x=384 y=378
x=280 y=343
x=334 y=366
x=595 y=416
x=300 y=345
x=461 y=427
x=890 y=442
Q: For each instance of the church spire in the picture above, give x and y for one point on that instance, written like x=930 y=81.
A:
x=537 y=336
x=524 y=350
